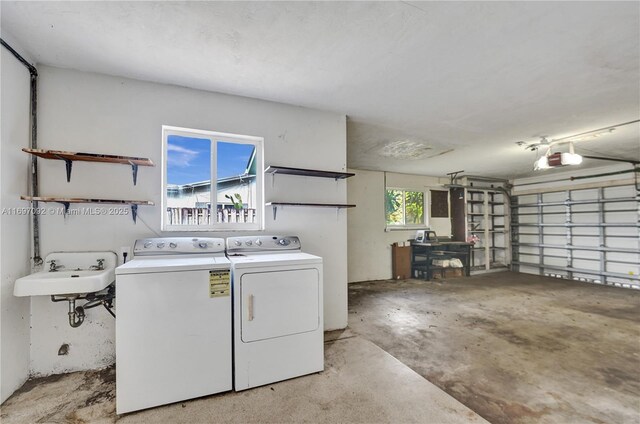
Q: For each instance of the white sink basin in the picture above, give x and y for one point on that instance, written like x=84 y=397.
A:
x=75 y=277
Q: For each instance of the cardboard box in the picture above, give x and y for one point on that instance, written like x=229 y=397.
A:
x=401 y=261
x=441 y=274
x=453 y=273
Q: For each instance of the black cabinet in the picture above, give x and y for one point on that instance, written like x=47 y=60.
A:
x=423 y=254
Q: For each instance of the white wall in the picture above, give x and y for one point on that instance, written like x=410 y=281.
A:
x=14 y=229
x=97 y=113
x=369 y=243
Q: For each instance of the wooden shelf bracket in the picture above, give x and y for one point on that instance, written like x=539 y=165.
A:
x=134 y=170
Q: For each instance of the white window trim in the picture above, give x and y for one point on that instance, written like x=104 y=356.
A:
x=214 y=138
x=425 y=214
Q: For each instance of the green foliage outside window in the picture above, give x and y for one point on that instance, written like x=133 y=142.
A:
x=237 y=202
x=414 y=207
x=403 y=207
x=394 y=209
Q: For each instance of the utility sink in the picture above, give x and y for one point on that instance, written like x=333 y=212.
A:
x=69 y=273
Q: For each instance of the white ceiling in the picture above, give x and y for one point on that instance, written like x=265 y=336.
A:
x=458 y=83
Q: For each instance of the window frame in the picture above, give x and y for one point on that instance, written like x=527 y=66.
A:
x=215 y=137
x=405 y=226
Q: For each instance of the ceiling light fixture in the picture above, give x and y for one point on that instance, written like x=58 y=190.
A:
x=570 y=159
x=541 y=163
x=553 y=160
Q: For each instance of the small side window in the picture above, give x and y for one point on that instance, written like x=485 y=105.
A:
x=404 y=208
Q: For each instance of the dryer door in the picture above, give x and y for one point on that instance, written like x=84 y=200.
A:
x=279 y=303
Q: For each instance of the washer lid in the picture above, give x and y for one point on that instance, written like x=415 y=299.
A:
x=274 y=260
x=146 y=265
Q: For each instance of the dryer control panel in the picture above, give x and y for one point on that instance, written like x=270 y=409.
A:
x=178 y=245
x=256 y=244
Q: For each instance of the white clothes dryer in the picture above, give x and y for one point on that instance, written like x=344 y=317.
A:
x=277 y=310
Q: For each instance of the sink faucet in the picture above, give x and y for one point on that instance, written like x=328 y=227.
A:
x=53 y=266
x=98 y=267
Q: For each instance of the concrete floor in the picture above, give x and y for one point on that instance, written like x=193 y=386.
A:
x=515 y=348
x=361 y=384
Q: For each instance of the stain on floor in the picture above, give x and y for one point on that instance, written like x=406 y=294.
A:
x=74 y=398
x=515 y=348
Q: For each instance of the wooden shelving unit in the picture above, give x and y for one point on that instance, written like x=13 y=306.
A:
x=70 y=157
x=67 y=201
x=307 y=172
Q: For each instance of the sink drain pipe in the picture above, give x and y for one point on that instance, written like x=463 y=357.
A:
x=76 y=314
x=33 y=72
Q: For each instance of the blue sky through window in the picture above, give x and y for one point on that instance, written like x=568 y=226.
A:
x=189 y=159
x=233 y=158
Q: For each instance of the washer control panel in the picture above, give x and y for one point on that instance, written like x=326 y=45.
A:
x=178 y=245
x=262 y=243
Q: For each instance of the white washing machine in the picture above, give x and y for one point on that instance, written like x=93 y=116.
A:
x=173 y=326
x=277 y=310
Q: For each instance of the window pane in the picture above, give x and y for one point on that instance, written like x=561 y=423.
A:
x=414 y=207
x=393 y=207
x=188 y=180
x=236 y=178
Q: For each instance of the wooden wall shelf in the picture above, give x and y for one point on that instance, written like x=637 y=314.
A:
x=66 y=202
x=307 y=172
x=70 y=157
x=313 y=205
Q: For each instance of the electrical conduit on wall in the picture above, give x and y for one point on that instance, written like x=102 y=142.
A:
x=33 y=95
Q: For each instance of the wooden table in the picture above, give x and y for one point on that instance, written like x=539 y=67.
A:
x=423 y=253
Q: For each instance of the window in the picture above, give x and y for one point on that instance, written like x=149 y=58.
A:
x=191 y=160
x=404 y=208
